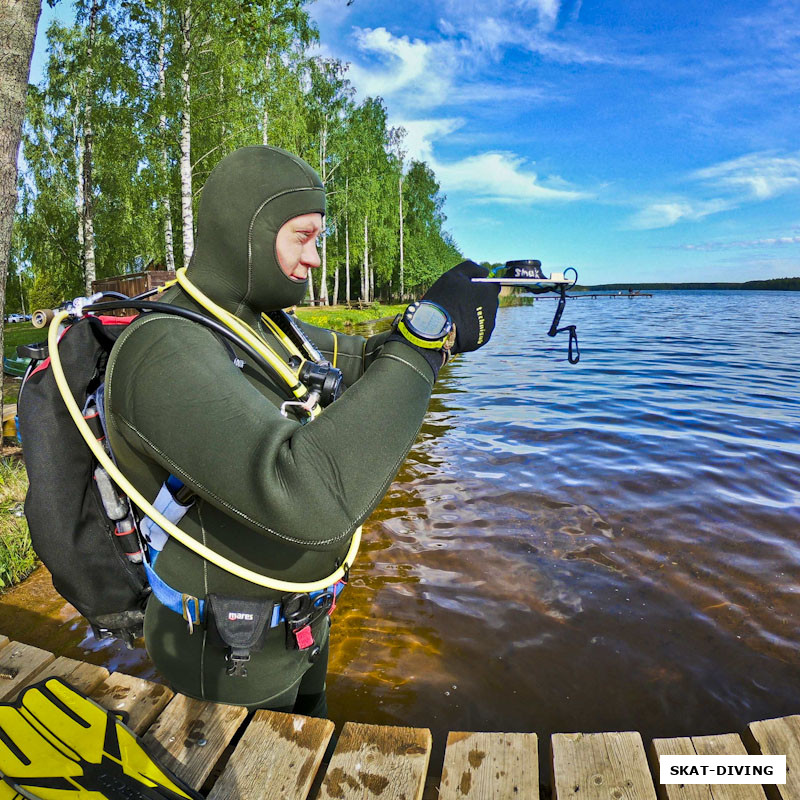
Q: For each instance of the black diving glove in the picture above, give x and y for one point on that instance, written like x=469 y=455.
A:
x=472 y=308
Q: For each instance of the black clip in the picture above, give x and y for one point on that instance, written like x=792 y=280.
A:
x=236 y=663
x=572 y=357
x=298 y=612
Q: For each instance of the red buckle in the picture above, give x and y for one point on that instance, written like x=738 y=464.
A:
x=303 y=637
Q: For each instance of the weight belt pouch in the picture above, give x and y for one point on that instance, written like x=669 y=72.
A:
x=240 y=624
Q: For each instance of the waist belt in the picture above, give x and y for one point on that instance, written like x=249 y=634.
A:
x=193 y=609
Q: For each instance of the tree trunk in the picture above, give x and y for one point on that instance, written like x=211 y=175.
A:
x=323 y=286
x=346 y=244
x=336 y=272
x=372 y=283
x=169 y=249
x=402 y=281
x=89 y=268
x=365 y=266
x=18 y=20
x=346 y=258
x=187 y=217
x=311 y=298
x=267 y=86
x=80 y=206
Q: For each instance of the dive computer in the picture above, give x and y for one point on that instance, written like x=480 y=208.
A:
x=425 y=324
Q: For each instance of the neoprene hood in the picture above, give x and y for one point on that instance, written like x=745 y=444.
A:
x=248 y=196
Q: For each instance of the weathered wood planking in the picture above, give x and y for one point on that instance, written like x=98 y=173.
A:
x=276 y=759
x=84 y=677
x=25 y=663
x=142 y=700
x=727 y=744
x=372 y=760
x=480 y=766
x=190 y=736
x=677 y=747
x=601 y=766
x=779 y=737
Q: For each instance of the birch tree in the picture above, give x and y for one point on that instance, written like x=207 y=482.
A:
x=18 y=21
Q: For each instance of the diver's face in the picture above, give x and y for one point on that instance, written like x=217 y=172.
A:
x=296 y=245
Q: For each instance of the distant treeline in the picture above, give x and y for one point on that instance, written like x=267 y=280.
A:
x=775 y=284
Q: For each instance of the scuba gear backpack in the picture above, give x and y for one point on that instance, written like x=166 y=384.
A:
x=71 y=530
x=83 y=527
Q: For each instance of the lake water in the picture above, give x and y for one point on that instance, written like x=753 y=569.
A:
x=608 y=546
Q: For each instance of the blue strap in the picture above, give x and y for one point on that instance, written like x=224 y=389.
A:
x=192 y=609
x=188 y=606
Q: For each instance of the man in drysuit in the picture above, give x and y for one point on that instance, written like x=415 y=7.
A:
x=279 y=495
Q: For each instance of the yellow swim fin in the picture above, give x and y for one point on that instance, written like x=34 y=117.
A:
x=57 y=744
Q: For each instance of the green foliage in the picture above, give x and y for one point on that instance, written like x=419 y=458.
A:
x=17 y=558
x=47 y=292
x=252 y=80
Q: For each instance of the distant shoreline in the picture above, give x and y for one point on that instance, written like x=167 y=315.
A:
x=775 y=284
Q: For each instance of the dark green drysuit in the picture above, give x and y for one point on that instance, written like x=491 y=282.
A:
x=273 y=495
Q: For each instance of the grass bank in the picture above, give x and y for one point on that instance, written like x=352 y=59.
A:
x=20 y=333
x=341 y=318
x=17 y=558
x=13 y=334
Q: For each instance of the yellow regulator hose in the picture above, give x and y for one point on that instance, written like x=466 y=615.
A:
x=173 y=530
x=249 y=335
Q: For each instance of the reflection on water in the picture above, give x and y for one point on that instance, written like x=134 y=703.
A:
x=609 y=546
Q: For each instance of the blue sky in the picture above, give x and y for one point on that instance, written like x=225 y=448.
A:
x=635 y=141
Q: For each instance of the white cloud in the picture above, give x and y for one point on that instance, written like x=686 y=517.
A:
x=421 y=133
x=665 y=213
x=418 y=72
x=500 y=177
x=547 y=10
x=777 y=241
x=752 y=177
x=762 y=175
x=494 y=176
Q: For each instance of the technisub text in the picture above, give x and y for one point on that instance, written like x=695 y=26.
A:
x=481 y=324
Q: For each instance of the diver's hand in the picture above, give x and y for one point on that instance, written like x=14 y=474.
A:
x=472 y=306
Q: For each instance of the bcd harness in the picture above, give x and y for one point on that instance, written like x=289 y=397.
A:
x=240 y=624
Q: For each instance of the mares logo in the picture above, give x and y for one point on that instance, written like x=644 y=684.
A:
x=233 y=616
x=481 y=325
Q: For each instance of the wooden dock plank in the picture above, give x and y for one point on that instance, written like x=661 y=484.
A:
x=142 y=700
x=372 y=760
x=726 y=744
x=601 y=766
x=677 y=791
x=276 y=759
x=24 y=662
x=480 y=766
x=3 y=641
x=82 y=676
x=779 y=737
x=190 y=736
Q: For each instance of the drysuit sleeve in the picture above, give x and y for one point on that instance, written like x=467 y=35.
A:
x=178 y=400
x=352 y=354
